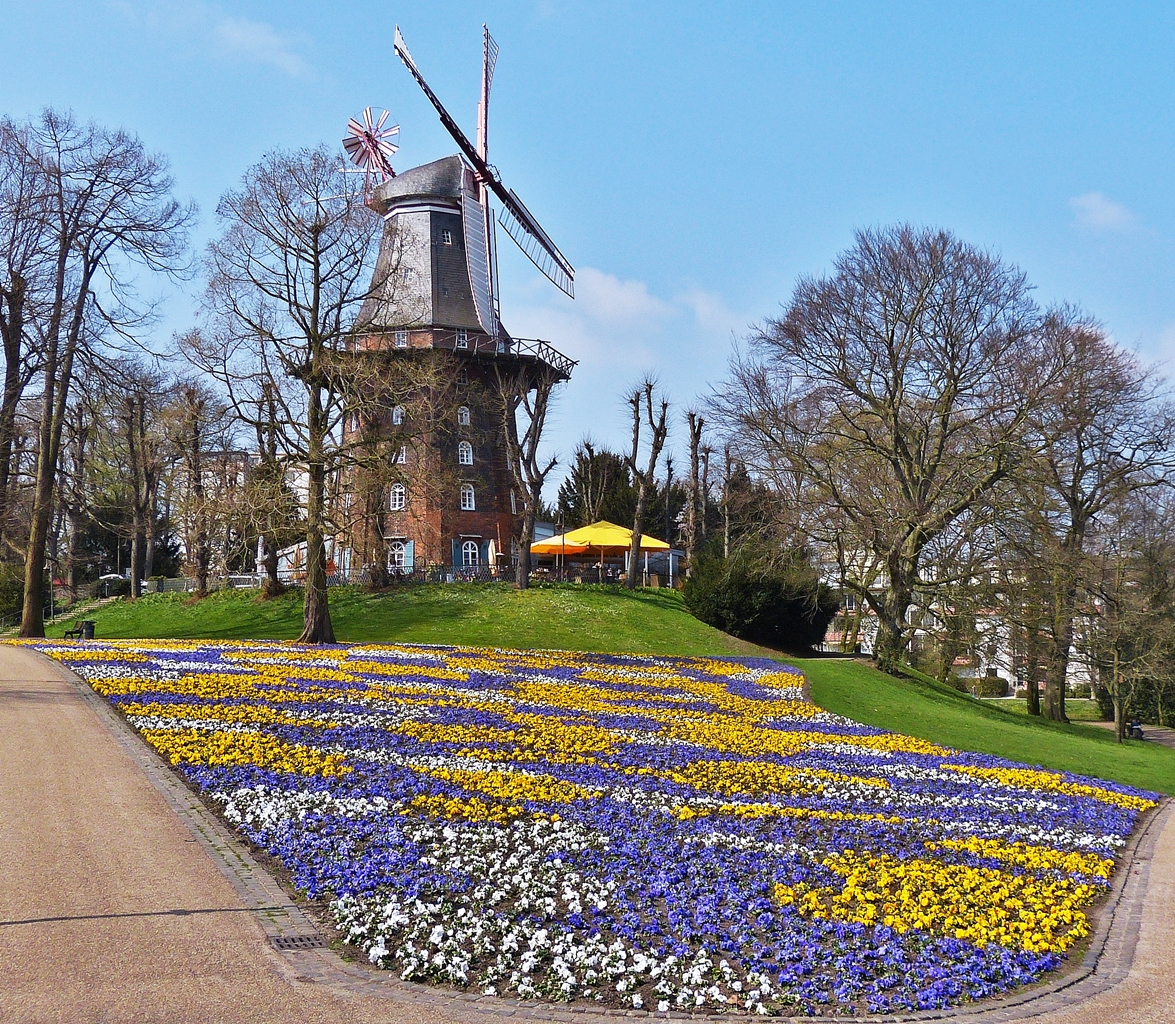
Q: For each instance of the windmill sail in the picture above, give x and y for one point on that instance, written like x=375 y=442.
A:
x=515 y=217
x=477 y=259
x=539 y=249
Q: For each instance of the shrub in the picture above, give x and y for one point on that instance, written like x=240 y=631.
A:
x=11 y=588
x=779 y=605
x=991 y=686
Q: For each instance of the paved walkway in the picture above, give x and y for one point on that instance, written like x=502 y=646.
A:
x=110 y=909
x=123 y=899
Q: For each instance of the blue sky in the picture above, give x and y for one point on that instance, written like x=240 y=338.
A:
x=690 y=159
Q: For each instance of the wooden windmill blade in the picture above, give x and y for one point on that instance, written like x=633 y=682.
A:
x=518 y=221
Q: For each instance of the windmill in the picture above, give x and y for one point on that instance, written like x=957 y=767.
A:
x=517 y=220
x=368 y=144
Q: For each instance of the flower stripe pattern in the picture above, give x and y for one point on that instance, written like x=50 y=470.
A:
x=666 y=833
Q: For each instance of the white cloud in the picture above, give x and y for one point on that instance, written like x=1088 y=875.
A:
x=711 y=313
x=606 y=298
x=1097 y=211
x=208 y=27
x=618 y=331
x=260 y=42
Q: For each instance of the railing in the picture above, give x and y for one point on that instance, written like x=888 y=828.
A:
x=525 y=348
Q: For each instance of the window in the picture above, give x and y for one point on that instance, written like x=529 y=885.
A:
x=462 y=338
x=468 y=500
x=462 y=375
x=465 y=454
x=402 y=458
x=397 y=415
x=447 y=236
x=463 y=416
x=470 y=553
x=398 y=499
x=401 y=339
x=513 y=504
x=397 y=554
x=406 y=273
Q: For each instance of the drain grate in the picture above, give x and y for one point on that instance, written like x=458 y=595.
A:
x=298 y=942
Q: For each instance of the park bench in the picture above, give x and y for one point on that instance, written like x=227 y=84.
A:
x=83 y=629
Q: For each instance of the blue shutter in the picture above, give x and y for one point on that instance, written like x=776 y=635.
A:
x=485 y=552
x=457 y=553
x=409 y=554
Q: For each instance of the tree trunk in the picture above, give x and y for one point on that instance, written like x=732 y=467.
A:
x=1057 y=673
x=1032 y=669
x=1119 y=704
x=13 y=336
x=316 y=624
x=272 y=587
x=890 y=647
x=138 y=546
x=152 y=531
x=53 y=398
x=638 y=522
x=522 y=577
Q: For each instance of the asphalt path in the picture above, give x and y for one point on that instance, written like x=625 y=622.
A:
x=113 y=909
x=110 y=911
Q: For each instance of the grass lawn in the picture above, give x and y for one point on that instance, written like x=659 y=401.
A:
x=566 y=617
x=612 y=619
x=1079 y=709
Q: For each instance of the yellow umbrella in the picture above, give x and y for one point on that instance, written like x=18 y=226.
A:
x=605 y=537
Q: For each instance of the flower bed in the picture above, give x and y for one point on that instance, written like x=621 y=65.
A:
x=663 y=833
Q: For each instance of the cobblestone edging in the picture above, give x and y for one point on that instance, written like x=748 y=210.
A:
x=299 y=948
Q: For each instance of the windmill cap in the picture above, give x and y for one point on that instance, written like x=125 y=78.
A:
x=441 y=179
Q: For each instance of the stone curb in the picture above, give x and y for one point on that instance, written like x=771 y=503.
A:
x=300 y=950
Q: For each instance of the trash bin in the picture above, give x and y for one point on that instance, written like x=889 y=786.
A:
x=87 y=629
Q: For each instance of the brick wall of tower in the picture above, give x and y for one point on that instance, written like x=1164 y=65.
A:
x=433 y=518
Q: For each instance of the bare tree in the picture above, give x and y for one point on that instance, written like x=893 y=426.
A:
x=24 y=223
x=108 y=209
x=896 y=389
x=286 y=281
x=530 y=389
x=1104 y=431
x=136 y=395
x=694 y=513
x=196 y=427
x=641 y=402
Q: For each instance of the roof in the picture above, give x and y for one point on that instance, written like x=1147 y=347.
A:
x=441 y=179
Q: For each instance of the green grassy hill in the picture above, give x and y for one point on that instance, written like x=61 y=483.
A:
x=613 y=619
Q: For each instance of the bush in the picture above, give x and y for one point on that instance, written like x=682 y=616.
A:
x=11 y=588
x=782 y=605
x=991 y=686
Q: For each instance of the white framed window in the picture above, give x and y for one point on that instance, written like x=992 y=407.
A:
x=401 y=339
x=397 y=554
x=470 y=553
x=463 y=416
x=447 y=236
x=462 y=375
x=398 y=499
x=468 y=498
x=462 y=338
x=464 y=454
x=402 y=458
x=513 y=504
x=397 y=415
x=406 y=273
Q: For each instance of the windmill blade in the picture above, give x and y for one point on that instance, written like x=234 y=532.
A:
x=467 y=147
x=529 y=236
x=491 y=54
x=520 y=223
x=478 y=261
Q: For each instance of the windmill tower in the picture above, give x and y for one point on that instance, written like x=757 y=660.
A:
x=452 y=502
